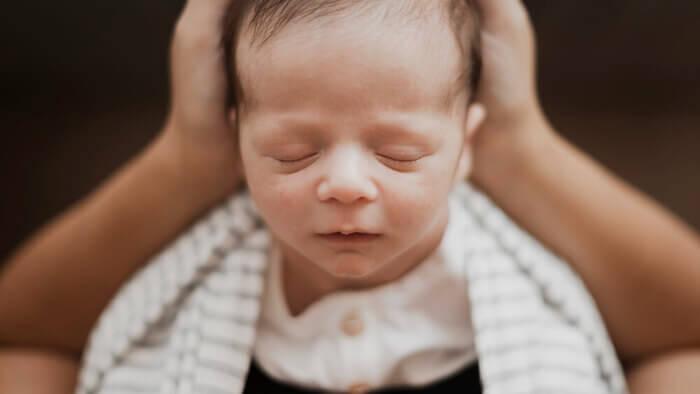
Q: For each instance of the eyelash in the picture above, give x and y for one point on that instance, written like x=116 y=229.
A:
x=296 y=160
x=399 y=161
x=402 y=162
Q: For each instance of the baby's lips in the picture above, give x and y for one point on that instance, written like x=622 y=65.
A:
x=349 y=232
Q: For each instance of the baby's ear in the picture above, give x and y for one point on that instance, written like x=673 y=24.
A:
x=476 y=114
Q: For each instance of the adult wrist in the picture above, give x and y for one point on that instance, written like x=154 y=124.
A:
x=199 y=181
x=512 y=150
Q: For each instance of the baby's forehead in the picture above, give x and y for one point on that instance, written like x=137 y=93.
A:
x=266 y=19
x=347 y=63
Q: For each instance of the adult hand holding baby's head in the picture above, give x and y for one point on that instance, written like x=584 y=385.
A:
x=202 y=140
x=199 y=135
x=508 y=88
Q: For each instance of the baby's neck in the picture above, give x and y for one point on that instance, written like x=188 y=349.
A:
x=304 y=283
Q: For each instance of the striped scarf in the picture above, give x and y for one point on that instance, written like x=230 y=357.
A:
x=186 y=322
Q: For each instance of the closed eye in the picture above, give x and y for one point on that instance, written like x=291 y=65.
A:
x=400 y=160
x=292 y=161
x=401 y=164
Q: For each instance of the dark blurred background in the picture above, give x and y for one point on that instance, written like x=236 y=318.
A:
x=84 y=87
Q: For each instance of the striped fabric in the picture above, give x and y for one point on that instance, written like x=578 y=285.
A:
x=186 y=322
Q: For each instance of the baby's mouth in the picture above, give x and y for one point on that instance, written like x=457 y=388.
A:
x=341 y=237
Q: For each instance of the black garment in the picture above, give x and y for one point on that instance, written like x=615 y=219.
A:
x=467 y=381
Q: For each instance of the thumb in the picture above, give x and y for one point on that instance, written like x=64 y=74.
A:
x=500 y=15
x=205 y=12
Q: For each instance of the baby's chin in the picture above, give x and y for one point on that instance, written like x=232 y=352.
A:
x=354 y=268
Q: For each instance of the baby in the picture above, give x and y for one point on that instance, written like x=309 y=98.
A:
x=368 y=289
x=355 y=121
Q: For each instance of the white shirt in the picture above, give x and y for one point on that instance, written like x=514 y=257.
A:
x=410 y=332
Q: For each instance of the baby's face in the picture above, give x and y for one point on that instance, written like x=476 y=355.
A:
x=347 y=128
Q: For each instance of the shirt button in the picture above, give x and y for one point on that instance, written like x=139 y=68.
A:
x=352 y=324
x=359 y=388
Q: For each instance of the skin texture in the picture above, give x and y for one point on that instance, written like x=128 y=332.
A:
x=32 y=371
x=325 y=153
x=673 y=372
x=537 y=177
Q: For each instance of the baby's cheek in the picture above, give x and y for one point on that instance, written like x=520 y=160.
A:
x=285 y=200
x=414 y=207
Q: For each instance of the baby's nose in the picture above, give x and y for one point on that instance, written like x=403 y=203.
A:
x=346 y=193
x=347 y=182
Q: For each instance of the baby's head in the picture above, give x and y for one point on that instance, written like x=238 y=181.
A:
x=354 y=116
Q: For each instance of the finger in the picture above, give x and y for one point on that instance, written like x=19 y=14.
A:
x=503 y=14
x=198 y=74
x=205 y=8
x=499 y=7
x=205 y=16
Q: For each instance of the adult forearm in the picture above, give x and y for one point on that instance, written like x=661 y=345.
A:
x=640 y=262
x=672 y=373
x=36 y=372
x=101 y=240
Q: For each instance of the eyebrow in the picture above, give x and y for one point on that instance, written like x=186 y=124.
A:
x=315 y=131
x=408 y=125
x=293 y=128
x=283 y=133
x=397 y=131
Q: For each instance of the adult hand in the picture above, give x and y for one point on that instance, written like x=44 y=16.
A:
x=604 y=228
x=508 y=88
x=199 y=135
